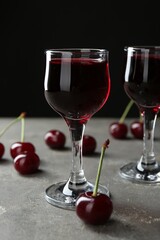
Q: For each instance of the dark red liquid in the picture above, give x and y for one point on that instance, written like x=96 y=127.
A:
x=142 y=81
x=78 y=88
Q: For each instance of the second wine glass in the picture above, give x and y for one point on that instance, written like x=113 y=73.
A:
x=77 y=85
x=142 y=84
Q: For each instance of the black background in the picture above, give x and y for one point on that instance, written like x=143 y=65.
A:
x=28 y=28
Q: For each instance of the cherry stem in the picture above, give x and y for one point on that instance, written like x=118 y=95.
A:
x=140 y=118
x=104 y=146
x=128 y=107
x=21 y=116
x=22 y=128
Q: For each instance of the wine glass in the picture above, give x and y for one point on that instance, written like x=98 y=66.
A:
x=77 y=85
x=142 y=84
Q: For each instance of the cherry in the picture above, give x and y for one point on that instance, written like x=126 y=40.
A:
x=27 y=163
x=2 y=150
x=20 y=147
x=94 y=210
x=55 y=139
x=95 y=207
x=89 y=145
x=136 y=129
x=119 y=129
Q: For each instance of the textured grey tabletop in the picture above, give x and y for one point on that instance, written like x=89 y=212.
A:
x=26 y=215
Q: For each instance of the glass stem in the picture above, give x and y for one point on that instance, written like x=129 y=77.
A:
x=77 y=173
x=148 y=161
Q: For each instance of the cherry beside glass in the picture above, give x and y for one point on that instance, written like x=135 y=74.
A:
x=142 y=84
x=77 y=85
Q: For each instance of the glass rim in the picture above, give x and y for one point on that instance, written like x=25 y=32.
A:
x=142 y=47
x=77 y=50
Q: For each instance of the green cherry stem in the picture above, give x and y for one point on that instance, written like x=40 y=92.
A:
x=22 y=128
x=21 y=116
x=128 y=107
x=140 y=118
x=104 y=146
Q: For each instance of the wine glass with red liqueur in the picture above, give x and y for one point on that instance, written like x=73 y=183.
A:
x=77 y=85
x=142 y=84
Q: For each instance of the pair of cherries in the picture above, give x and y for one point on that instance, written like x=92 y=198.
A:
x=25 y=159
x=120 y=129
x=56 y=139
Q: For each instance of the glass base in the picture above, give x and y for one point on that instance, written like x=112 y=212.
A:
x=60 y=195
x=131 y=173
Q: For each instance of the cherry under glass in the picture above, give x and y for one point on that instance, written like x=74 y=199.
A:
x=76 y=86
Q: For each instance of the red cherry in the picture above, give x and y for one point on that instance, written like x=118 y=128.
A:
x=55 y=139
x=2 y=150
x=20 y=147
x=94 y=210
x=27 y=163
x=89 y=145
x=136 y=129
x=118 y=130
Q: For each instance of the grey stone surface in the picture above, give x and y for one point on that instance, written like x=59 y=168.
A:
x=26 y=215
